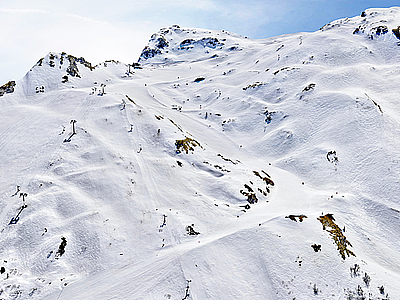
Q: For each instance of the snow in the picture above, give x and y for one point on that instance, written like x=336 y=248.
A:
x=314 y=112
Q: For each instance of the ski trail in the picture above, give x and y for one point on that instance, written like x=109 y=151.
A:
x=145 y=276
x=52 y=148
x=12 y=132
x=151 y=186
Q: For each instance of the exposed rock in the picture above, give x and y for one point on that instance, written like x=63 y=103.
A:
x=149 y=53
x=204 y=42
x=7 y=88
x=61 y=248
x=396 y=32
x=190 y=230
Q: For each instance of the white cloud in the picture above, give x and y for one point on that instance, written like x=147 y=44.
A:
x=207 y=5
x=85 y=19
x=21 y=11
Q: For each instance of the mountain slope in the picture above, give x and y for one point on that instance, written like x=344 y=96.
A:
x=220 y=168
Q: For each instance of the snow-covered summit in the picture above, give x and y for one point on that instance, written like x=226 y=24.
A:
x=373 y=22
x=176 y=44
x=59 y=71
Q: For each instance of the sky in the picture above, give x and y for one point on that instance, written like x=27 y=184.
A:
x=119 y=29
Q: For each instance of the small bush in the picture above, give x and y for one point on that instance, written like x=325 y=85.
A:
x=316 y=247
x=309 y=87
x=293 y=218
x=355 y=271
x=367 y=279
x=254 y=85
x=336 y=233
x=61 y=248
x=190 y=230
x=187 y=144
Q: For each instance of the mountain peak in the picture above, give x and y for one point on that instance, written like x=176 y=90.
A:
x=56 y=71
x=175 y=44
x=64 y=61
x=375 y=23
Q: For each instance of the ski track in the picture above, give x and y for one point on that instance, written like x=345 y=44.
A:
x=50 y=149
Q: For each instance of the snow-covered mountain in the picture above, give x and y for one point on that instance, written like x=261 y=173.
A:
x=217 y=167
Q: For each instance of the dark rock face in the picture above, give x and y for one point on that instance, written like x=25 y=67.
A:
x=186 y=43
x=149 y=53
x=72 y=70
x=161 y=43
x=372 y=32
x=7 y=88
x=205 y=42
x=210 y=42
x=61 y=248
x=396 y=32
x=381 y=30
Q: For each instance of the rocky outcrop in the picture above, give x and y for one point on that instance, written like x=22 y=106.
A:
x=204 y=42
x=7 y=88
x=175 y=39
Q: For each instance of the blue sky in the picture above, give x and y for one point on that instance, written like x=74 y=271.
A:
x=119 y=29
